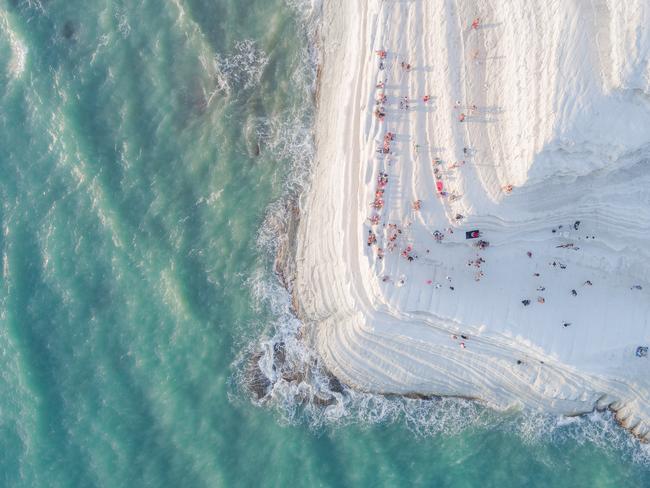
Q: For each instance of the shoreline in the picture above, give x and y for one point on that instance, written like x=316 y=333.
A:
x=336 y=315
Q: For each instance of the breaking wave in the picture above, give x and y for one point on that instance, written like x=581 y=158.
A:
x=241 y=69
x=17 y=45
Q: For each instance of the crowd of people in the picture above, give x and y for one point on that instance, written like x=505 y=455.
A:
x=385 y=236
x=388 y=235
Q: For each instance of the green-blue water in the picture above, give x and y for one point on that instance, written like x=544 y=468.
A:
x=136 y=270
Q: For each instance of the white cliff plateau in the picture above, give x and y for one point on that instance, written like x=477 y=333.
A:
x=551 y=164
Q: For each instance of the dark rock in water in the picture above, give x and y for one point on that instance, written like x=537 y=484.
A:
x=257 y=381
x=323 y=402
x=420 y=396
x=293 y=376
x=279 y=353
x=287 y=230
x=335 y=385
x=68 y=30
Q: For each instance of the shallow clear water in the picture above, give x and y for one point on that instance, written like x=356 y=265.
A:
x=145 y=146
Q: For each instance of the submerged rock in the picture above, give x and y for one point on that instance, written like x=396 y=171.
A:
x=68 y=30
x=335 y=385
x=258 y=383
x=323 y=401
x=279 y=353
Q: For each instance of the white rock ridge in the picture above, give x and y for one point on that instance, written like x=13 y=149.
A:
x=552 y=159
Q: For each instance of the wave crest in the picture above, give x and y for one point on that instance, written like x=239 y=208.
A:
x=241 y=69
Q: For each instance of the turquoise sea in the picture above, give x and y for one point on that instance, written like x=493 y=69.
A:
x=147 y=148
